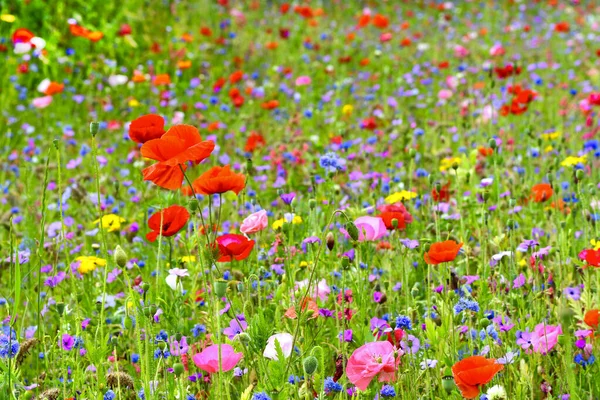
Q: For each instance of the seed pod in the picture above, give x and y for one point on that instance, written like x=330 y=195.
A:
x=310 y=365
x=330 y=241
x=352 y=231
x=120 y=256
x=94 y=127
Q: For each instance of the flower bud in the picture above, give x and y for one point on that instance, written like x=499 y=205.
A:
x=448 y=383
x=60 y=308
x=120 y=256
x=178 y=369
x=145 y=287
x=312 y=203
x=412 y=152
x=579 y=174
x=310 y=365
x=345 y=262
x=352 y=231
x=492 y=143
x=94 y=127
x=244 y=338
x=249 y=167
x=394 y=223
x=220 y=288
x=330 y=241
x=193 y=205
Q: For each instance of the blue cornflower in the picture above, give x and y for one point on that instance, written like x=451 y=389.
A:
x=8 y=347
x=109 y=395
x=331 y=387
x=135 y=358
x=466 y=304
x=332 y=162
x=198 y=329
x=261 y=396
x=403 y=322
x=579 y=359
x=388 y=391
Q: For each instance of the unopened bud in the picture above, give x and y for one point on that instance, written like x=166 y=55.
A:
x=493 y=144
x=394 y=223
x=312 y=203
x=244 y=338
x=193 y=205
x=310 y=365
x=579 y=174
x=94 y=127
x=352 y=231
x=60 y=308
x=178 y=369
x=330 y=241
x=120 y=256
x=220 y=288
x=249 y=167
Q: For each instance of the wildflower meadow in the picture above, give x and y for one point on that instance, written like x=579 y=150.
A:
x=269 y=200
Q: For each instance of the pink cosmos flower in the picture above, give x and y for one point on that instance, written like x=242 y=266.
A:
x=255 y=222
x=208 y=360
x=545 y=337
x=370 y=360
x=303 y=80
x=285 y=341
x=369 y=228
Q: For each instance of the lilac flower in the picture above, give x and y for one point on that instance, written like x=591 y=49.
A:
x=519 y=281
x=236 y=328
x=410 y=243
x=524 y=339
x=346 y=336
x=509 y=358
x=411 y=344
x=428 y=363
x=497 y=257
x=541 y=253
x=379 y=324
x=573 y=293
x=288 y=197
x=526 y=245
x=179 y=347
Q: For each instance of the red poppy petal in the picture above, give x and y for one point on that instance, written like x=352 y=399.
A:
x=162 y=149
x=165 y=176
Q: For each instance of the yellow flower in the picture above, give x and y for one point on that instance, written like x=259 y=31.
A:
x=133 y=103
x=279 y=223
x=400 y=196
x=548 y=149
x=186 y=259
x=89 y=263
x=572 y=161
x=595 y=243
x=347 y=109
x=551 y=135
x=448 y=162
x=111 y=222
x=303 y=264
x=8 y=18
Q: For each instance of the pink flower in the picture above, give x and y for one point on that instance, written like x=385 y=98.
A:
x=497 y=50
x=42 y=102
x=460 y=51
x=208 y=360
x=285 y=341
x=322 y=290
x=303 y=80
x=255 y=222
x=370 y=228
x=544 y=337
x=370 y=360
x=385 y=37
x=444 y=94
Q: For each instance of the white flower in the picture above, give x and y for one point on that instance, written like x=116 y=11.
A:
x=285 y=341
x=173 y=278
x=496 y=392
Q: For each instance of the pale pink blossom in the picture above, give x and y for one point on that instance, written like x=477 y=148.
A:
x=42 y=102
x=545 y=337
x=303 y=80
x=370 y=360
x=208 y=359
x=255 y=222
x=285 y=341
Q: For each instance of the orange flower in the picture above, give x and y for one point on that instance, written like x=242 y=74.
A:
x=236 y=77
x=485 y=151
x=54 y=88
x=161 y=79
x=442 y=252
x=380 y=21
x=270 y=105
x=254 y=140
x=184 y=64
x=181 y=143
x=541 y=192
x=173 y=219
x=592 y=318
x=219 y=180
x=147 y=127
x=95 y=36
x=472 y=372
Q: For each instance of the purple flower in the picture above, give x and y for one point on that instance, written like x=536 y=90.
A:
x=413 y=347
x=379 y=324
x=526 y=245
x=288 y=197
x=377 y=297
x=179 y=347
x=410 y=243
x=346 y=336
x=236 y=328
x=524 y=339
x=67 y=342
x=573 y=293
x=519 y=281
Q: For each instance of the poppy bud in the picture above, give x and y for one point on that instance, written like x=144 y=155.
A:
x=352 y=231
x=162 y=345
x=394 y=223
x=94 y=127
x=312 y=203
x=178 y=369
x=414 y=292
x=114 y=341
x=330 y=241
x=279 y=192
x=484 y=322
x=220 y=288
x=55 y=142
x=510 y=223
x=120 y=256
x=454 y=166
x=468 y=177
x=448 y=383
x=193 y=205
x=249 y=167
x=128 y=323
x=492 y=144
x=145 y=287
x=579 y=174
x=310 y=365
x=345 y=262
x=178 y=337
x=240 y=287
x=244 y=338
x=60 y=308
x=98 y=306
x=512 y=202
x=486 y=195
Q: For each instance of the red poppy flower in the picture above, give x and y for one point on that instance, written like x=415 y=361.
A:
x=442 y=252
x=22 y=35
x=562 y=27
x=485 y=151
x=380 y=21
x=270 y=105
x=395 y=212
x=363 y=20
x=146 y=127
x=181 y=143
x=472 y=372
x=124 y=30
x=234 y=246
x=54 y=88
x=285 y=7
x=592 y=257
x=236 y=77
x=541 y=192
x=443 y=194
x=219 y=180
x=173 y=219
x=161 y=79
x=254 y=140
x=592 y=318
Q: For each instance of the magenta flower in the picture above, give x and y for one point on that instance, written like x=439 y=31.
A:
x=370 y=360
x=208 y=359
x=369 y=228
x=545 y=337
x=67 y=342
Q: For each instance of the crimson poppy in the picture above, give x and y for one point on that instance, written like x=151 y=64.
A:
x=380 y=21
x=181 y=143
x=443 y=194
x=219 y=180
x=146 y=127
x=22 y=35
x=233 y=246
x=167 y=222
x=472 y=372
x=254 y=140
x=441 y=252
x=592 y=257
x=398 y=212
